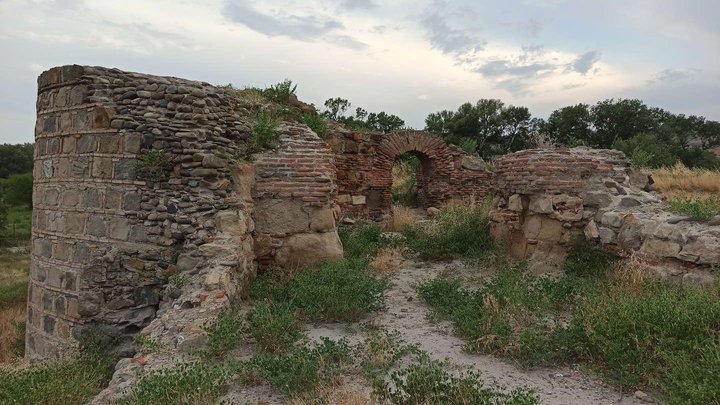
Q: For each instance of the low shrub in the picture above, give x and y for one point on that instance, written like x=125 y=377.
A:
x=264 y=132
x=455 y=232
x=274 y=326
x=301 y=369
x=153 y=165
x=281 y=92
x=315 y=122
x=362 y=241
x=387 y=260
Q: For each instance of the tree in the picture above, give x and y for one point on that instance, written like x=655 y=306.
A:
x=710 y=134
x=335 y=108
x=570 y=126
x=621 y=119
x=16 y=159
x=496 y=128
x=17 y=189
x=384 y=122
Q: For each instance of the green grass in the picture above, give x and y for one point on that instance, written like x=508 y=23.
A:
x=225 y=333
x=274 y=326
x=641 y=333
x=13 y=293
x=187 y=383
x=461 y=232
x=18 y=229
x=316 y=122
x=698 y=208
x=74 y=382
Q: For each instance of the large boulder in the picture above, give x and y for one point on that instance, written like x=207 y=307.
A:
x=308 y=249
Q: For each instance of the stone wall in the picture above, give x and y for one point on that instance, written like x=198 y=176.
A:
x=133 y=186
x=295 y=209
x=365 y=160
x=551 y=198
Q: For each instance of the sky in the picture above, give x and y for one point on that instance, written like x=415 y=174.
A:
x=405 y=57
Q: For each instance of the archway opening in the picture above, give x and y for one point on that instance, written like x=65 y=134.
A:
x=406 y=171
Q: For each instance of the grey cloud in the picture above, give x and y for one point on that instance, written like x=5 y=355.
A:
x=585 y=62
x=304 y=28
x=447 y=39
x=673 y=75
x=533 y=27
x=505 y=67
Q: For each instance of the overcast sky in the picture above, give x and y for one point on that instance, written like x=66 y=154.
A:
x=406 y=57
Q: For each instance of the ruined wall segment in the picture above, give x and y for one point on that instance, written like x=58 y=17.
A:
x=130 y=182
x=552 y=198
x=365 y=161
x=295 y=201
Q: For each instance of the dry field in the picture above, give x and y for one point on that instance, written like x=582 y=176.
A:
x=680 y=179
x=13 y=290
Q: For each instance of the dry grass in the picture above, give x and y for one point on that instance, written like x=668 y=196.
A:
x=401 y=217
x=679 y=178
x=387 y=260
x=13 y=291
x=630 y=274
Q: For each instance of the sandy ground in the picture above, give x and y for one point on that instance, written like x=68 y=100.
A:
x=405 y=313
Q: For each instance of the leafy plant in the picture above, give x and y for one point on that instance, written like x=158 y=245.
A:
x=153 y=165
x=264 y=131
x=274 y=326
x=316 y=122
x=697 y=208
x=281 y=92
x=147 y=343
x=224 y=333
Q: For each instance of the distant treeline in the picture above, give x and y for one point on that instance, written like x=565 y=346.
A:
x=16 y=165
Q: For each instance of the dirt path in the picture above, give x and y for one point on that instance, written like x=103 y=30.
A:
x=407 y=314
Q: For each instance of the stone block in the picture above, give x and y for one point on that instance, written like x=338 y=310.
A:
x=308 y=249
x=131 y=201
x=322 y=219
x=81 y=120
x=125 y=169
x=515 y=203
x=591 y=231
x=70 y=198
x=133 y=143
x=102 y=168
x=90 y=303
x=660 y=248
x=96 y=226
x=280 y=217
x=358 y=200
x=541 y=204
x=91 y=198
x=607 y=235
x=231 y=222
x=108 y=144
x=74 y=223
x=119 y=228
x=567 y=208
x=69 y=144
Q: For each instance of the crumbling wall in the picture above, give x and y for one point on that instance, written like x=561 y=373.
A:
x=551 y=198
x=129 y=182
x=365 y=159
x=295 y=210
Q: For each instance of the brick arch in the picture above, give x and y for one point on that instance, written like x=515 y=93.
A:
x=436 y=160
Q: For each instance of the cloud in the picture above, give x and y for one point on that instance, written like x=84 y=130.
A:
x=533 y=27
x=449 y=40
x=584 y=63
x=673 y=75
x=346 y=41
x=509 y=68
x=351 y=5
x=303 y=28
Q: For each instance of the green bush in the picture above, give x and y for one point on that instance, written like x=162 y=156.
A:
x=13 y=293
x=281 y=92
x=264 y=131
x=361 y=241
x=274 y=326
x=315 y=122
x=17 y=190
x=153 y=165
x=455 y=232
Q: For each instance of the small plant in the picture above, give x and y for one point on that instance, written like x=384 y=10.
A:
x=316 y=122
x=187 y=383
x=146 y=343
x=429 y=383
x=224 y=333
x=387 y=260
x=177 y=280
x=281 y=92
x=153 y=165
x=274 y=326
x=301 y=369
x=264 y=131
x=468 y=145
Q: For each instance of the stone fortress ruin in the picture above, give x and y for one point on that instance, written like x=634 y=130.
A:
x=150 y=216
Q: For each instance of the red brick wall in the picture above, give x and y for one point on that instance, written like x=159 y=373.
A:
x=364 y=163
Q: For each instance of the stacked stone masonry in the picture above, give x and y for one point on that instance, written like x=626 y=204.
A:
x=551 y=198
x=365 y=160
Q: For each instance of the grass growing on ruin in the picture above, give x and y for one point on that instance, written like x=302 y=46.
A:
x=13 y=293
x=339 y=291
x=696 y=207
x=74 y=382
x=224 y=333
x=274 y=326
x=315 y=122
x=461 y=231
x=638 y=332
x=264 y=132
